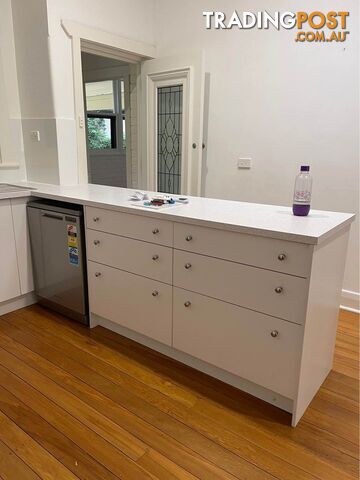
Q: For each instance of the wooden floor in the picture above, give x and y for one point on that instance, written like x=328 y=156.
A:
x=76 y=403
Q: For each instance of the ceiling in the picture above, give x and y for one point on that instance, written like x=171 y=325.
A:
x=94 y=62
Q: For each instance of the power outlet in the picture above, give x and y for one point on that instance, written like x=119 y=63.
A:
x=244 y=163
x=35 y=135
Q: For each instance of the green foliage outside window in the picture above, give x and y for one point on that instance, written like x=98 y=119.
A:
x=97 y=134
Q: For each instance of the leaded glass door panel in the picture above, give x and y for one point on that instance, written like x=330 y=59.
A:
x=172 y=123
x=169 y=138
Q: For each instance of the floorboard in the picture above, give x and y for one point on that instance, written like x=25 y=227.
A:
x=89 y=404
x=11 y=466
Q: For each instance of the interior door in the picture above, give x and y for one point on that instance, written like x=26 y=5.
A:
x=172 y=103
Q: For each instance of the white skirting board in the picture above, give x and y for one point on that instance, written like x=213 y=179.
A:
x=350 y=301
x=17 y=303
x=241 y=383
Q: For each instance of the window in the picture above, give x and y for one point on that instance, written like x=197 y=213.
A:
x=101 y=115
x=101 y=131
x=105 y=106
x=100 y=96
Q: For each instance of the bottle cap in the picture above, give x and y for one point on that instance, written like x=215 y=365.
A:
x=304 y=168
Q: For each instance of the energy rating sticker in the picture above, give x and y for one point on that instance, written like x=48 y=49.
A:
x=73 y=255
x=72 y=235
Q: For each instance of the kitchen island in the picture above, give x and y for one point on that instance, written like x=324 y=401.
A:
x=244 y=292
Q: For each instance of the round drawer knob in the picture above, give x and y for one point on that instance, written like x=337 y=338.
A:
x=187 y=304
x=97 y=274
x=274 y=333
x=188 y=238
x=155 y=231
x=187 y=266
x=155 y=257
x=96 y=242
x=155 y=293
x=278 y=289
x=96 y=219
x=281 y=257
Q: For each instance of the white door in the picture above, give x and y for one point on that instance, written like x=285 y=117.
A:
x=172 y=123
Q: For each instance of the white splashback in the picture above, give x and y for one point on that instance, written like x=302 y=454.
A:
x=41 y=157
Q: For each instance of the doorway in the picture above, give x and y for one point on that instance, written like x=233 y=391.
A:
x=107 y=113
x=163 y=152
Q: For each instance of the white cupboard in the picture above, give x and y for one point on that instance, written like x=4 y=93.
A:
x=130 y=225
x=273 y=293
x=134 y=256
x=273 y=254
x=257 y=312
x=9 y=278
x=16 y=277
x=135 y=302
x=259 y=348
x=22 y=241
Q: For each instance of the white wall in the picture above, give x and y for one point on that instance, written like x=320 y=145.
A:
x=35 y=89
x=44 y=65
x=132 y=19
x=12 y=161
x=278 y=101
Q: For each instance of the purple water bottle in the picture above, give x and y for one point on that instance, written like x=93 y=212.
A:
x=302 y=192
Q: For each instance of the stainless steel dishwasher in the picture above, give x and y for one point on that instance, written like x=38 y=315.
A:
x=59 y=260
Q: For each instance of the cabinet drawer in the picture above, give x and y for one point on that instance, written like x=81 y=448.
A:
x=273 y=293
x=130 y=225
x=279 y=255
x=262 y=349
x=137 y=303
x=135 y=256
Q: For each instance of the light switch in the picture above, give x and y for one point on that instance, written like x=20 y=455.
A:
x=244 y=163
x=35 y=135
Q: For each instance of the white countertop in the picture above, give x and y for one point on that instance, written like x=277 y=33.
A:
x=8 y=192
x=252 y=218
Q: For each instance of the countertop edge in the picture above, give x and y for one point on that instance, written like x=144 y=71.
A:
x=10 y=195
x=293 y=237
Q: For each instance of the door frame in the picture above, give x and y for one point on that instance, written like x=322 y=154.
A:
x=188 y=66
x=98 y=42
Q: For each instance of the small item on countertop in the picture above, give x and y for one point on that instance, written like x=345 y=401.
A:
x=302 y=192
x=158 y=201
x=139 y=196
x=161 y=196
x=182 y=200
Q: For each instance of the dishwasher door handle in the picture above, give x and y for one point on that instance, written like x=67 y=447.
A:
x=52 y=215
